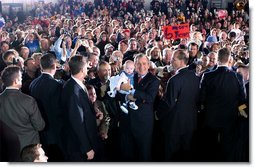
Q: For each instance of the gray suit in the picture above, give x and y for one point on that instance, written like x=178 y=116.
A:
x=20 y=112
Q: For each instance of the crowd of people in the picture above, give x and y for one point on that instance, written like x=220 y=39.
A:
x=183 y=99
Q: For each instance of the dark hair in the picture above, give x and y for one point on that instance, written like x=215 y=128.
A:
x=47 y=61
x=182 y=46
x=26 y=61
x=182 y=55
x=192 y=44
x=9 y=74
x=223 y=55
x=7 y=54
x=89 y=87
x=232 y=34
x=102 y=63
x=76 y=64
x=124 y=41
x=4 y=42
x=30 y=153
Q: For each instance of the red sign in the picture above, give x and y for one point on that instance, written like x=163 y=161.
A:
x=177 y=32
x=222 y=14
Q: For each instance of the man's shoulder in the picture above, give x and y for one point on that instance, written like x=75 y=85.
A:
x=24 y=97
x=68 y=83
x=152 y=77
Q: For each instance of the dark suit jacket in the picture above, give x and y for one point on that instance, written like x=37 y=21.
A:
x=179 y=113
x=141 y=120
x=47 y=92
x=21 y=113
x=222 y=90
x=80 y=129
x=9 y=144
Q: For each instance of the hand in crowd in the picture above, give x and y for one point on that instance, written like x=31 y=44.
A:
x=241 y=110
x=130 y=97
x=125 y=86
x=62 y=36
x=78 y=44
x=90 y=155
x=99 y=114
x=85 y=43
x=103 y=135
x=89 y=64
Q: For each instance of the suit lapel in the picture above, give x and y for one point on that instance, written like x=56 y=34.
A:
x=84 y=97
x=135 y=80
x=143 y=80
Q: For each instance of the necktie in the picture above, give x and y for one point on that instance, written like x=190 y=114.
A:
x=139 y=79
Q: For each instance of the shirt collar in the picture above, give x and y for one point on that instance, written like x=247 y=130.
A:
x=80 y=83
x=142 y=76
x=11 y=87
x=48 y=74
x=177 y=71
x=222 y=66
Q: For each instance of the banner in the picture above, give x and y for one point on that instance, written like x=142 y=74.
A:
x=177 y=32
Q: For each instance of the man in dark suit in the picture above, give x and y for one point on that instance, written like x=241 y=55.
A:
x=47 y=92
x=136 y=127
x=81 y=139
x=179 y=113
x=19 y=111
x=222 y=91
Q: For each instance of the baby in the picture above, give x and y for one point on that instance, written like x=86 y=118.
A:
x=128 y=71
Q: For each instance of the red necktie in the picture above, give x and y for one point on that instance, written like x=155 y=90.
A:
x=139 y=79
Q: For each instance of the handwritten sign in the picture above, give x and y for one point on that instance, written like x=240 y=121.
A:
x=177 y=31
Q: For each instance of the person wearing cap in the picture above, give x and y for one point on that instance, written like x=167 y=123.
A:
x=123 y=46
x=126 y=33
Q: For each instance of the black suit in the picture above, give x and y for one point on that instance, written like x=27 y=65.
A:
x=9 y=144
x=80 y=129
x=222 y=90
x=179 y=113
x=136 y=127
x=47 y=92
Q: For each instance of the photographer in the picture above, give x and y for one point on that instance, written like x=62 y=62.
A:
x=64 y=52
x=31 y=41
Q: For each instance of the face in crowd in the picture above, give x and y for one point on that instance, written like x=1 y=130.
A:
x=142 y=65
